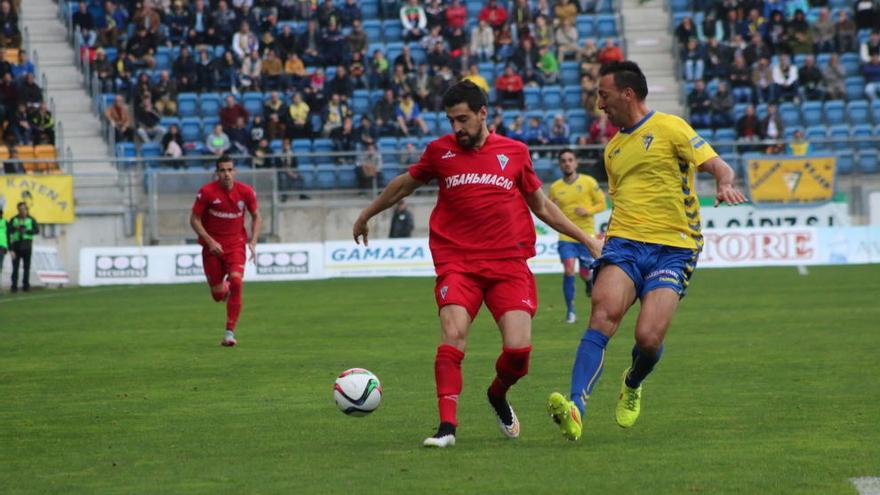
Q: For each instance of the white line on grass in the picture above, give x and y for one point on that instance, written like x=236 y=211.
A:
x=867 y=486
x=60 y=293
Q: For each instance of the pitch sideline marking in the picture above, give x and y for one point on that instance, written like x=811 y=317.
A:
x=11 y=299
x=867 y=485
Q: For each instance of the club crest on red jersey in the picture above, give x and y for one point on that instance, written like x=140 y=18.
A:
x=240 y=205
x=502 y=160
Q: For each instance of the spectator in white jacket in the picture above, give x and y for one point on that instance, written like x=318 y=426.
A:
x=785 y=79
x=414 y=20
x=483 y=41
x=244 y=41
x=566 y=40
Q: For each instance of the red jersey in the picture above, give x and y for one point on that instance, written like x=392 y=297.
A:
x=481 y=212
x=222 y=211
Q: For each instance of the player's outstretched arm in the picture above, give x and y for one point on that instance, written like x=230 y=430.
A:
x=214 y=247
x=400 y=187
x=256 y=222
x=725 y=190
x=548 y=212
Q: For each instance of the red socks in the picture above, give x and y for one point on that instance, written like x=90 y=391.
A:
x=447 y=374
x=233 y=304
x=511 y=365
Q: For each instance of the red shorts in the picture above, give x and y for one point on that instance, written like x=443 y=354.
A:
x=505 y=285
x=217 y=267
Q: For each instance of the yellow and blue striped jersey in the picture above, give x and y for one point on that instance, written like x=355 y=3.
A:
x=651 y=172
x=584 y=193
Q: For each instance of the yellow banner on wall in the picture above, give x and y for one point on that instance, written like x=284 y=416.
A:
x=49 y=197
x=793 y=180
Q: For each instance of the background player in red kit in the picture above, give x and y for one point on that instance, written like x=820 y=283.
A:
x=218 y=219
x=481 y=236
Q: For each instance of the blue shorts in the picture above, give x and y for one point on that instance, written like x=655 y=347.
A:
x=650 y=266
x=568 y=250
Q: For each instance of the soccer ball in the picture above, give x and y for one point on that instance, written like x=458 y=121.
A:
x=357 y=392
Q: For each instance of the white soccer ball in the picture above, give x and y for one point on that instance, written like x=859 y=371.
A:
x=357 y=392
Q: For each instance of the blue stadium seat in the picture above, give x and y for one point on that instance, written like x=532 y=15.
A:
x=868 y=163
x=325 y=176
x=151 y=150
x=430 y=119
x=680 y=5
x=532 y=96
x=208 y=124
x=857 y=112
x=370 y=9
x=570 y=72
x=188 y=105
x=322 y=145
x=845 y=162
x=487 y=70
x=360 y=101
x=551 y=97
x=606 y=26
x=125 y=150
x=419 y=55
x=722 y=135
x=388 y=146
x=811 y=112
x=163 y=58
x=586 y=27
x=196 y=150
x=855 y=88
x=850 y=62
x=302 y=148
x=392 y=31
x=814 y=133
x=373 y=28
x=307 y=172
x=840 y=134
x=742 y=95
x=253 y=103
x=577 y=120
x=191 y=129
x=209 y=104
x=392 y=50
x=346 y=177
x=571 y=96
x=875 y=112
x=791 y=115
x=544 y=168
x=834 y=111
x=739 y=110
x=862 y=137
x=167 y=122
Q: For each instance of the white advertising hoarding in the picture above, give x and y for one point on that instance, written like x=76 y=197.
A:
x=179 y=264
x=723 y=248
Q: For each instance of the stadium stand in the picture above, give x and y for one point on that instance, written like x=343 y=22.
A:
x=28 y=123
x=816 y=65
x=357 y=50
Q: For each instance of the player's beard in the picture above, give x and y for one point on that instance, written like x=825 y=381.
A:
x=468 y=141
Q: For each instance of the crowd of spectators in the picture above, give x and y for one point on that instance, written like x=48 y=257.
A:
x=746 y=51
x=312 y=56
x=25 y=118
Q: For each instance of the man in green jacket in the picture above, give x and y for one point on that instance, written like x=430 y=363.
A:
x=22 y=229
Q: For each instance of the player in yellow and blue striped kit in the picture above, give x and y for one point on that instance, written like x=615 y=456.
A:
x=653 y=238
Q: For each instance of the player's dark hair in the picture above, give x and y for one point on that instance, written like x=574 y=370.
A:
x=468 y=92
x=20 y=204
x=223 y=159
x=627 y=74
x=566 y=150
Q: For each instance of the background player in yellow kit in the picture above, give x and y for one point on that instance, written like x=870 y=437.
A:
x=580 y=199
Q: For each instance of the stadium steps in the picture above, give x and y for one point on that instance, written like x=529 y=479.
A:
x=55 y=56
x=650 y=44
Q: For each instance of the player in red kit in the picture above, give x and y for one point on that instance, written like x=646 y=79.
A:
x=481 y=234
x=218 y=219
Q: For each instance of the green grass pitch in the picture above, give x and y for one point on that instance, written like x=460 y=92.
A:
x=768 y=385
